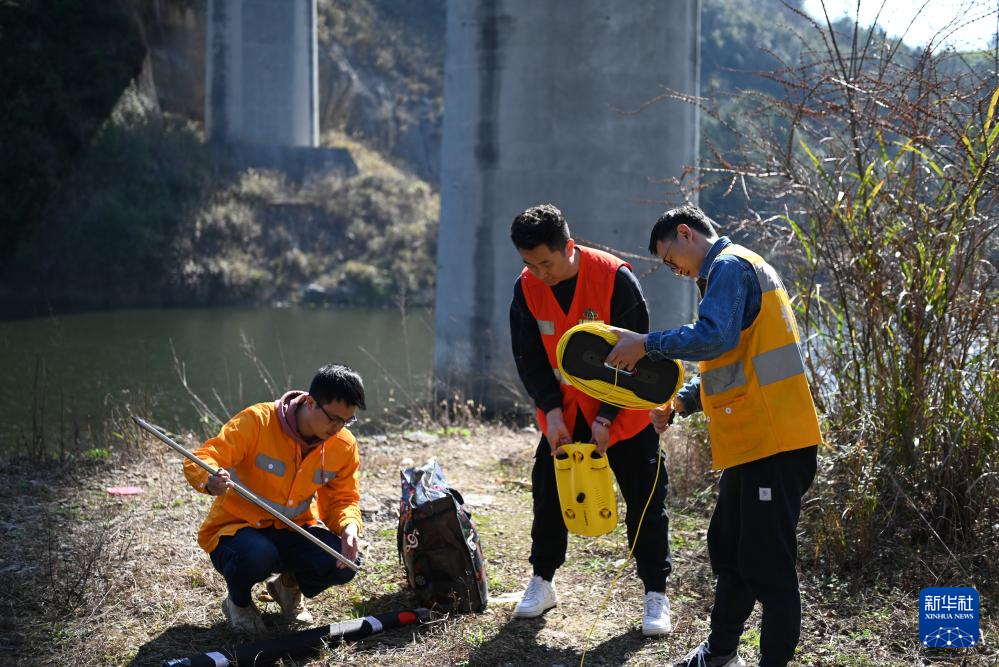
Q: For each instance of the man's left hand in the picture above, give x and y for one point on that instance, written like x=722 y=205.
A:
x=629 y=349
x=601 y=436
x=348 y=544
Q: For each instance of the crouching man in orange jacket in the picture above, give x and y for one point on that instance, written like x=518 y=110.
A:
x=297 y=455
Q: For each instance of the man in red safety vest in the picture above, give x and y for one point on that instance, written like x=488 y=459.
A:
x=561 y=285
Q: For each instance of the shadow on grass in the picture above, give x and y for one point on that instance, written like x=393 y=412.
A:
x=516 y=643
x=183 y=640
x=187 y=640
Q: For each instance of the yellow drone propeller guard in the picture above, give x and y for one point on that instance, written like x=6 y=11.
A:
x=586 y=490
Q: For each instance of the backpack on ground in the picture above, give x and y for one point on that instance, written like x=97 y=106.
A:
x=438 y=543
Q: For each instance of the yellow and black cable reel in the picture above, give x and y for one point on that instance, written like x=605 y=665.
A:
x=583 y=477
x=582 y=352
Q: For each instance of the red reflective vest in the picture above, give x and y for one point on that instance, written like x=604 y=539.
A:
x=590 y=303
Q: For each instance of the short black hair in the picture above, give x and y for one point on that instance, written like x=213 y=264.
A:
x=336 y=382
x=665 y=227
x=542 y=224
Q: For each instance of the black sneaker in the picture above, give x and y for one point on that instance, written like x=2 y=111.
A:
x=703 y=657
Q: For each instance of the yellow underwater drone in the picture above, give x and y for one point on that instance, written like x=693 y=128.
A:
x=583 y=477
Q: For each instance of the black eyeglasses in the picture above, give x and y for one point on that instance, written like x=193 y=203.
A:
x=673 y=267
x=333 y=418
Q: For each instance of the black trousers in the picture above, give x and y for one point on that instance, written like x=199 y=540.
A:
x=634 y=464
x=753 y=545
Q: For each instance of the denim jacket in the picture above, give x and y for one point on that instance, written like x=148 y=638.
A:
x=729 y=304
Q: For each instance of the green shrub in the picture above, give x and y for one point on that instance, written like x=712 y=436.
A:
x=113 y=229
x=872 y=176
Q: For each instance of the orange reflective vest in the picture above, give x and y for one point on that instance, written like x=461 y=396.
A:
x=263 y=459
x=590 y=303
x=756 y=396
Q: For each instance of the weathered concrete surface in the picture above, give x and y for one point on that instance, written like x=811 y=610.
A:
x=532 y=97
x=261 y=72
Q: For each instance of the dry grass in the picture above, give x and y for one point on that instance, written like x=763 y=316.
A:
x=98 y=580
x=369 y=162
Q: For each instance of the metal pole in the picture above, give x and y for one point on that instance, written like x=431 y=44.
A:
x=245 y=493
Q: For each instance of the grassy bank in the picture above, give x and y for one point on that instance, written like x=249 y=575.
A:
x=96 y=579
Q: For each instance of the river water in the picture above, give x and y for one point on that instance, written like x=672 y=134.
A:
x=65 y=372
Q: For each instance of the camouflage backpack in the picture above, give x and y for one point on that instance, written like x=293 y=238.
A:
x=438 y=543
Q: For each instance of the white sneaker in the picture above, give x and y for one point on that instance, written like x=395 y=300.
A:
x=243 y=620
x=538 y=598
x=656 y=620
x=285 y=591
x=702 y=656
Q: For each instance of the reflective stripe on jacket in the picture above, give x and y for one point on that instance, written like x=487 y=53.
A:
x=591 y=302
x=263 y=459
x=756 y=396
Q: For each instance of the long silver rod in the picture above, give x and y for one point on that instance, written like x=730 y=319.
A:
x=245 y=493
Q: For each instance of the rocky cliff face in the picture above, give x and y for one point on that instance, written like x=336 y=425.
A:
x=381 y=68
x=369 y=106
x=174 y=35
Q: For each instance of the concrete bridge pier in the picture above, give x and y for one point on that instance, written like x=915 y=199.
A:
x=262 y=92
x=532 y=98
x=261 y=72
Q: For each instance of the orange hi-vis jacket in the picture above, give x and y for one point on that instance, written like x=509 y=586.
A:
x=756 y=396
x=590 y=303
x=262 y=458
